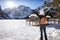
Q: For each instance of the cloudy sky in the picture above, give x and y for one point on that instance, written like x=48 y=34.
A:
x=15 y=3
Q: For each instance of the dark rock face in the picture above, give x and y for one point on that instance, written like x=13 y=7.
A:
x=3 y=15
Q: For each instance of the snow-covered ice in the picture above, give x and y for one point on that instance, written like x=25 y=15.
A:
x=19 y=30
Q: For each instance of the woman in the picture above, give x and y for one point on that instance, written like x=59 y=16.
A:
x=43 y=22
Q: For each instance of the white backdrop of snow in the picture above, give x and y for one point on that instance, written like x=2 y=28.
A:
x=18 y=30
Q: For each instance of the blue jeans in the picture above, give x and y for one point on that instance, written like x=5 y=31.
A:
x=43 y=30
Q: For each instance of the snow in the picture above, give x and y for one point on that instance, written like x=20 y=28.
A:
x=19 y=30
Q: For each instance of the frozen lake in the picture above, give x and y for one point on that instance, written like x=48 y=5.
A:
x=19 y=30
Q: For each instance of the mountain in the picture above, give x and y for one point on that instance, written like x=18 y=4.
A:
x=3 y=15
x=20 y=12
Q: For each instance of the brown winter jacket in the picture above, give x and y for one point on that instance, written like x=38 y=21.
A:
x=43 y=21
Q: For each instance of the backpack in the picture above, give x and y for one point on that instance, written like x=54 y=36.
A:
x=43 y=21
